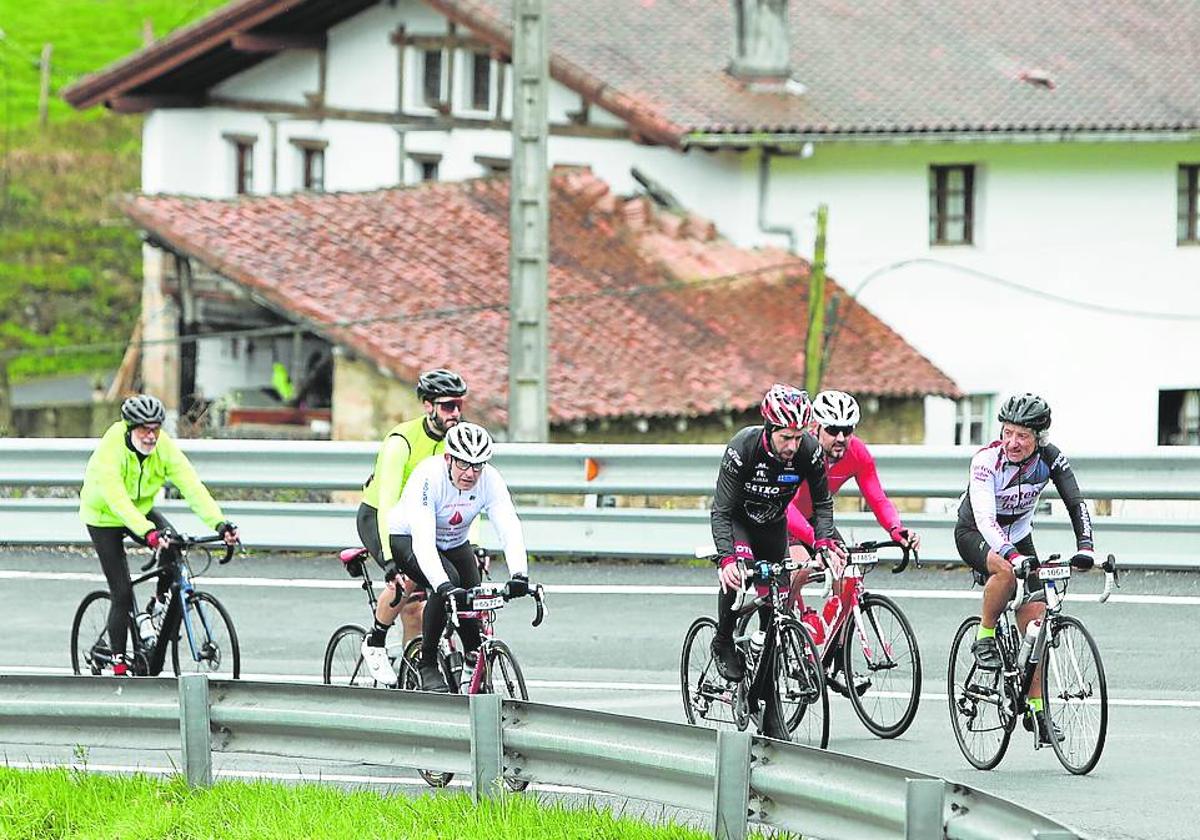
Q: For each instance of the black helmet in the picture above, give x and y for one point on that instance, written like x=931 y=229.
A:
x=440 y=383
x=142 y=409
x=1027 y=410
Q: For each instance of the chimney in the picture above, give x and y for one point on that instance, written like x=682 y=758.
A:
x=760 y=40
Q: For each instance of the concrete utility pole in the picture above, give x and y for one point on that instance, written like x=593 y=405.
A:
x=815 y=345
x=529 y=226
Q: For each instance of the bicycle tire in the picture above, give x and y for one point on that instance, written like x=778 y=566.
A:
x=981 y=726
x=410 y=679
x=881 y=654
x=708 y=700
x=343 y=658
x=220 y=653
x=504 y=677
x=800 y=686
x=90 y=623
x=1075 y=694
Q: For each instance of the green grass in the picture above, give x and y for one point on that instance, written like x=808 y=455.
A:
x=47 y=804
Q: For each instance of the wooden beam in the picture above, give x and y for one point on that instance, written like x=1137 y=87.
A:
x=149 y=102
x=272 y=42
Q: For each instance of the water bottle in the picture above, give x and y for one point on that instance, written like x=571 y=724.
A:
x=145 y=626
x=829 y=614
x=1025 y=655
x=158 y=611
x=816 y=627
x=757 y=639
x=468 y=670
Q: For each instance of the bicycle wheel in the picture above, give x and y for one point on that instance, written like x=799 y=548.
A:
x=882 y=665
x=708 y=699
x=344 y=663
x=800 y=684
x=979 y=709
x=90 y=650
x=212 y=647
x=410 y=679
x=504 y=677
x=1075 y=693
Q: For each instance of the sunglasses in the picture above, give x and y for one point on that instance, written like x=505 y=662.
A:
x=449 y=405
x=467 y=465
x=834 y=431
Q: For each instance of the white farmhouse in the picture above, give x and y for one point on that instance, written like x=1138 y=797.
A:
x=1014 y=187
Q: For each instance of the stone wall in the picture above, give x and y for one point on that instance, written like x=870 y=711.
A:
x=65 y=421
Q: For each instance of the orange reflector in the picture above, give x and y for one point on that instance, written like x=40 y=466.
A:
x=591 y=469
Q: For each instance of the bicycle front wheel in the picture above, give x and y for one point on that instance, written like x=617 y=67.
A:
x=1075 y=694
x=978 y=699
x=708 y=699
x=207 y=642
x=344 y=663
x=800 y=684
x=883 y=667
x=90 y=650
x=410 y=679
x=504 y=677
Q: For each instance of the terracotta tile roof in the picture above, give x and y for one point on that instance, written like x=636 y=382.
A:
x=417 y=277
x=886 y=67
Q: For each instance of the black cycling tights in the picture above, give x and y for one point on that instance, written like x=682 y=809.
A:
x=462 y=568
x=110 y=548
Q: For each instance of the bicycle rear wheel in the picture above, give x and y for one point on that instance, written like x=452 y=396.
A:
x=708 y=699
x=883 y=667
x=212 y=647
x=979 y=710
x=800 y=684
x=344 y=663
x=504 y=677
x=1075 y=694
x=410 y=679
x=90 y=650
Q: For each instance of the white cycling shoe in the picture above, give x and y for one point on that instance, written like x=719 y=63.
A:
x=378 y=664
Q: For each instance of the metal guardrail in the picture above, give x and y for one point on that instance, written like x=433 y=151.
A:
x=729 y=775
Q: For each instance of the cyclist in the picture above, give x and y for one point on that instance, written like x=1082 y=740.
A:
x=441 y=393
x=429 y=530
x=134 y=459
x=994 y=533
x=835 y=415
x=759 y=473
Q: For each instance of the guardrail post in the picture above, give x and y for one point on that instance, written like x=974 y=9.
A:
x=731 y=789
x=487 y=746
x=195 y=729
x=924 y=801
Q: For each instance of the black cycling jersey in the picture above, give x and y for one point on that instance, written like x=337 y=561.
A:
x=754 y=487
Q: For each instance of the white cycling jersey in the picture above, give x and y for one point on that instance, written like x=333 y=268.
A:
x=438 y=516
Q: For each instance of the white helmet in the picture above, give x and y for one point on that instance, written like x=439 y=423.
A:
x=836 y=408
x=469 y=442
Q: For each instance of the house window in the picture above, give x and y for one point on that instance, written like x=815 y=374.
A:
x=312 y=163
x=1188 y=232
x=951 y=205
x=431 y=78
x=481 y=81
x=427 y=165
x=493 y=165
x=1179 y=418
x=972 y=420
x=243 y=162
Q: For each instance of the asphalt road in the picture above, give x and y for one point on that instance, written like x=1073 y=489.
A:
x=612 y=643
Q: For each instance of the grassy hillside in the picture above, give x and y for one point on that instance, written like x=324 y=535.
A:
x=69 y=263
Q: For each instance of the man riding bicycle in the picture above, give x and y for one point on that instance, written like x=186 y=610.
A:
x=759 y=473
x=429 y=530
x=409 y=443
x=994 y=533
x=133 y=461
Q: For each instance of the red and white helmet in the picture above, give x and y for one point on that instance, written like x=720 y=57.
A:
x=836 y=408
x=786 y=407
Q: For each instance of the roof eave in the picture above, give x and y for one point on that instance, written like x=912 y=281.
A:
x=717 y=139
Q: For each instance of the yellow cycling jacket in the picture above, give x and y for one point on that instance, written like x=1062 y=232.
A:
x=119 y=488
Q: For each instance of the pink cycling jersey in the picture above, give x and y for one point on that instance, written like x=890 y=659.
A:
x=858 y=464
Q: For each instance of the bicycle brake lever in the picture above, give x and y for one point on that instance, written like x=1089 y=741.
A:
x=537 y=592
x=229 y=547
x=153 y=559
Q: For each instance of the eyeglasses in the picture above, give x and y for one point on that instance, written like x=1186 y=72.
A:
x=834 y=431
x=449 y=405
x=148 y=430
x=467 y=465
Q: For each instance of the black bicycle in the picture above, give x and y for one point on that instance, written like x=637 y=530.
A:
x=800 y=696
x=200 y=634
x=986 y=704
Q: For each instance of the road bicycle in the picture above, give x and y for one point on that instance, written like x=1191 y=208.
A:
x=785 y=645
x=495 y=669
x=201 y=634
x=866 y=637
x=986 y=704
x=343 y=663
